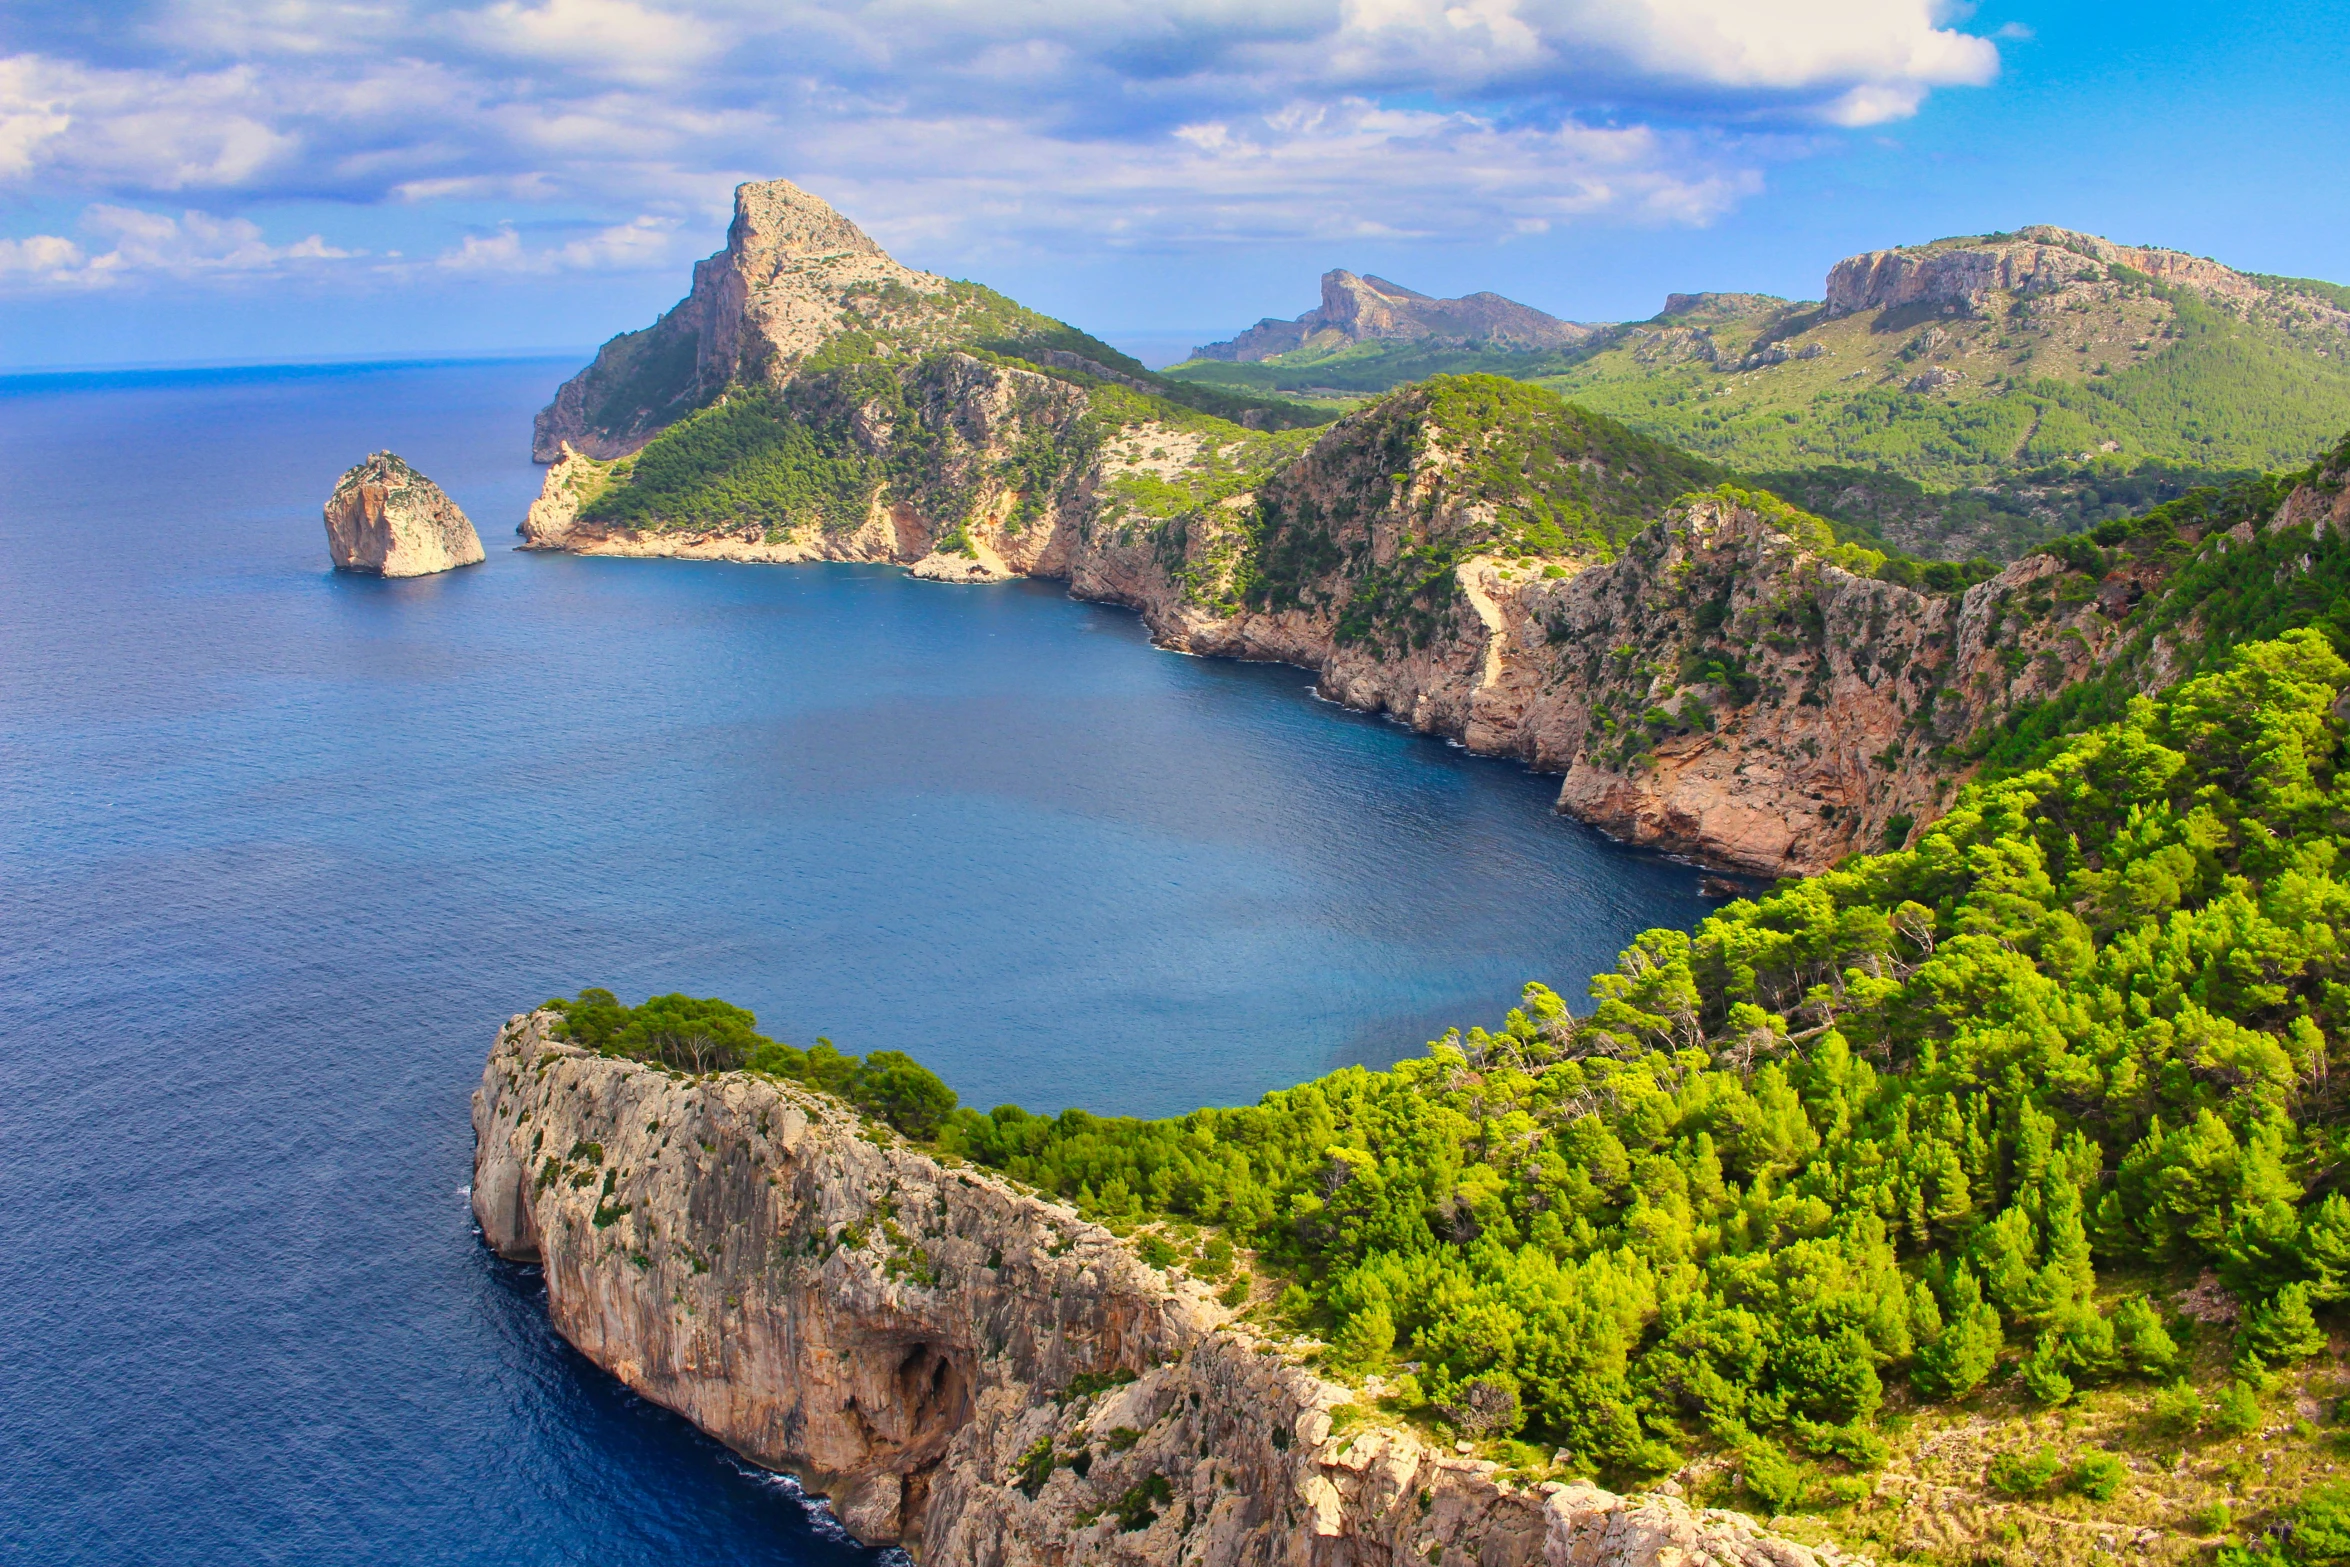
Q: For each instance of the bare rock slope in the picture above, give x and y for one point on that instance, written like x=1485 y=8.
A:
x=387 y=519
x=966 y=1369
x=1364 y=309
x=793 y=275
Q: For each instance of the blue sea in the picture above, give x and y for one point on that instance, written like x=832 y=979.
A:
x=279 y=849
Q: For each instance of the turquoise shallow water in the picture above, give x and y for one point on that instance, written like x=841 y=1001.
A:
x=279 y=848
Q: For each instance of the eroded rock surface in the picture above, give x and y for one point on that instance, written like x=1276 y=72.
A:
x=794 y=275
x=387 y=519
x=1723 y=684
x=933 y=1349
x=1364 y=309
x=1963 y=274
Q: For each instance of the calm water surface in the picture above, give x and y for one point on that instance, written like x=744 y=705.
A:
x=279 y=849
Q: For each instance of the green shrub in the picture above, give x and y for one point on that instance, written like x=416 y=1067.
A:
x=2235 y=1409
x=1138 y=1507
x=2282 y=1327
x=1776 y=1480
x=2321 y=1527
x=2097 y=1475
x=704 y=1034
x=2042 y=1372
x=1034 y=1467
x=2178 y=1408
x=2026 y=1475
x=2145 y=1344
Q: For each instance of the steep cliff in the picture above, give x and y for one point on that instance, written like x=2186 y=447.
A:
x=1964 y=276
x=967 y=1369
x=1712 y=670
x=386 y=519
x=794 y=278
x=1471 y=557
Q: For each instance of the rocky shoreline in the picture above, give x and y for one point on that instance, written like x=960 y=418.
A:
x=1715 y=676
x=1540 y=660
x=971 y=1371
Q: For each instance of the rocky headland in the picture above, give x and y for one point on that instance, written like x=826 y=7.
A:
x=1713 y=671
x=387 y=519
x=967 y=1369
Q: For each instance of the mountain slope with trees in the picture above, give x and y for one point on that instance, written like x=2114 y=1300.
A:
x=1979 y=1197
x=1972 y=396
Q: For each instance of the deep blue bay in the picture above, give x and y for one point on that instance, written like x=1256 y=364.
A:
x=279 y=849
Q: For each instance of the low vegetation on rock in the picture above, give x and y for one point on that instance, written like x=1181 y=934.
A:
x=697 y=1035
x=1971 y=396
x=1978 y=1194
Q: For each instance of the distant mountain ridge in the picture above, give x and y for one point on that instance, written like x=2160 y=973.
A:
x=1357 y=309
x=2044 y=364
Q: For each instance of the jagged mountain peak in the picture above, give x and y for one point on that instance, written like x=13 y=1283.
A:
x=1361 y=307
x=779 y=217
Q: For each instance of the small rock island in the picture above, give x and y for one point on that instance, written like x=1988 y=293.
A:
x=387 y=519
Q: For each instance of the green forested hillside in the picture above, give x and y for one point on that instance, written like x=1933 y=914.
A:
x=1881 y=1125
x=2129 y=370
x=1985 y=1197
x=2019 y=414
x=1944 y=1126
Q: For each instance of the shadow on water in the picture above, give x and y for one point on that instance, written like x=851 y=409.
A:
x=612 y=1444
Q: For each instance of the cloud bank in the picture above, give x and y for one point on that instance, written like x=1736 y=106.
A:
x=605 y=134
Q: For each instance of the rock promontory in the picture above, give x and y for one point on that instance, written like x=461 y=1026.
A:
x=969 y=1370
x=387 y=519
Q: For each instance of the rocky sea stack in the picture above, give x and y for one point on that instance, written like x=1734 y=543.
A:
x=387 y=519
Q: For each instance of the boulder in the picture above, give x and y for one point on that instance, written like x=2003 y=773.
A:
x=386 y=518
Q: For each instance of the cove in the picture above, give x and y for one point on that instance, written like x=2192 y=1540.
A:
x=281 y=848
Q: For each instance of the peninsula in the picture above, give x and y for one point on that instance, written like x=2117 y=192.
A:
x=1713 y=671
x=1975 y=1192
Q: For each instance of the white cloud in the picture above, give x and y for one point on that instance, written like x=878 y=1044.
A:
x=141 y=246
x=1296 y=173
x=1786 y=44
x=41 y=258
x=145 y=130
x=616 y=39
x=971 y=124
x=642 y=244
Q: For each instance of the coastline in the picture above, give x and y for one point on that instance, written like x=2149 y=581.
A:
x=907 y=1336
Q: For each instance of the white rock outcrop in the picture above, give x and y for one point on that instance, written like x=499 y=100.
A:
x=387 y=519
x=969 y=1370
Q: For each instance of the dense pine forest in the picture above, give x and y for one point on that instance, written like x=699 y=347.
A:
x=1954 y=1122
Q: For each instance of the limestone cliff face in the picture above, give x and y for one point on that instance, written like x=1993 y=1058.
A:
x=1361 y=309
x=388 y=520
x=966 y=1369
x=1720 y=688
x=1963 y=275
x=793 y=275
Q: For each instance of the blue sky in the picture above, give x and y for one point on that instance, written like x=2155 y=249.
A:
x=225 y=180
